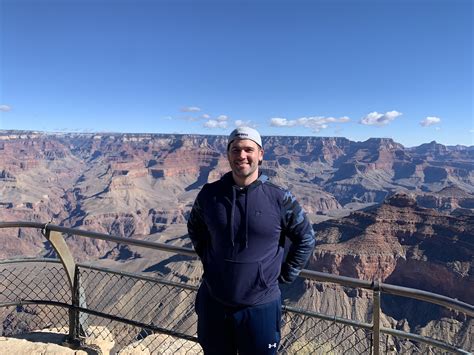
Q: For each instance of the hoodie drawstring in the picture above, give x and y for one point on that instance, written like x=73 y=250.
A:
x=246 y=220
x=232 y=213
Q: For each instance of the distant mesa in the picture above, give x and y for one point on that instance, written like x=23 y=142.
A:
x=402 y=199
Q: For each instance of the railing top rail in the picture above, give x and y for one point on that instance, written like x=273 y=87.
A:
x=309 y=274
x=391 y=289
x=102 y=236
x=428 y=297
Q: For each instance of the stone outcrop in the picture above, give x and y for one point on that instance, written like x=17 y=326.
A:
x=399 y=242
x=53 y=341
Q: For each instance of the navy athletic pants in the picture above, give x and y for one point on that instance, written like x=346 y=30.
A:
x=225 y=330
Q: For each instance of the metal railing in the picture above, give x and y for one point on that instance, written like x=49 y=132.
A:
x=136 y=311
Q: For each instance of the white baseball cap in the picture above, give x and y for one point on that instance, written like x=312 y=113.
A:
x=245 y=133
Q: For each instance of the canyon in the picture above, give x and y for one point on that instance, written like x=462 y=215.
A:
x=380 y=211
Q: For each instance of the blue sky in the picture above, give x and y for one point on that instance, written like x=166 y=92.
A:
x=355 y=68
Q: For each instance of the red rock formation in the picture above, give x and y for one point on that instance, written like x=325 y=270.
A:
x=401 y=243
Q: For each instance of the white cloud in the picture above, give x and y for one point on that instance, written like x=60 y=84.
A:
x=190 y=109
x=282 y=122
x=216 y=124
x=471 y=131
x=430 y=121
x=438 y=128
x=205 y=116
x=5 y=108
x=240 y=123
x=379 y=119
x=316 y=123
x=220 y=121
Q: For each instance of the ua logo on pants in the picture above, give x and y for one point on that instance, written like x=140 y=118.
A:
x=274 y=345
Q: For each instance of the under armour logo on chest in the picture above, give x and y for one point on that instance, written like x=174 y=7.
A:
x=274 y=345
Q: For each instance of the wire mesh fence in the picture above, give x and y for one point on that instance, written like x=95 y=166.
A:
x=464 y=339
x=164 y=309
x=304 y=334
x=22 y=286
x=170 y=306
x=129 y=313
x=391 y=345
x=128 y=339
x=33 y=280
x=158 y=303
x=431 y=320
x=22 y=319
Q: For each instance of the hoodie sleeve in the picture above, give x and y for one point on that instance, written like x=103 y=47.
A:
x=300 y=232
x=197 y=228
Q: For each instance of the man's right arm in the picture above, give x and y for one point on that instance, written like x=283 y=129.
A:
x=197 y=228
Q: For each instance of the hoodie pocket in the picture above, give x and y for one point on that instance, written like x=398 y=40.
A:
x=236 y=283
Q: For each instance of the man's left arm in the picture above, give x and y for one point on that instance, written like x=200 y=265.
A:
x=300 y=232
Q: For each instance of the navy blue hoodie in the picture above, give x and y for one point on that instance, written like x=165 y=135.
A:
x=239 y=234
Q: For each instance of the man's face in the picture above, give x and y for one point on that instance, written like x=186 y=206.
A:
x=244 y=155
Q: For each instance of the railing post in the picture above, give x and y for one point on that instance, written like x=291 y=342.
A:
x=60 y=247
x=376 y=319
x=74 y=323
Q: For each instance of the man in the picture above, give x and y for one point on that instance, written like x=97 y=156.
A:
x=238 y=227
